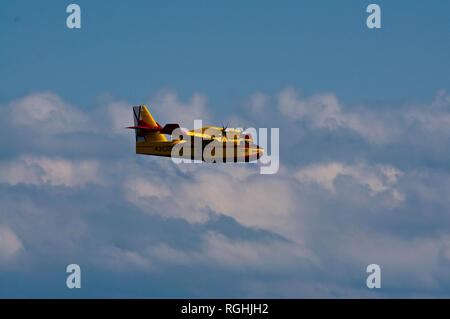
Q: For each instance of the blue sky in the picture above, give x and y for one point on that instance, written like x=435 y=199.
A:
x=364 y=125
x=227 y=49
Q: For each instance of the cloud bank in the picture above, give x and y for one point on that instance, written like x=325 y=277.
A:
x=358 y=184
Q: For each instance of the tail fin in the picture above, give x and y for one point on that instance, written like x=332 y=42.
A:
x=142 y=117
x=146 y=116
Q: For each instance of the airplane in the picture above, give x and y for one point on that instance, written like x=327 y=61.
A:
x=209 y=144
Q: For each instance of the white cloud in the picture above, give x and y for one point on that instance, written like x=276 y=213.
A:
x=284 y=204
x=165 y=253
x=403 y=123
x=49 y=171
x=398 y=195
x=119 y=115
x=322 y=174
x=324 y=111
x=140 y=187
x=118 y=259
x=378 y=178
x=47 y=112
x=166 y=107
x=216 y=250
x=406 y=263
x=240 y=254
x=10 y=244
x=241 y=194
x=258 y=103
x=433 y=118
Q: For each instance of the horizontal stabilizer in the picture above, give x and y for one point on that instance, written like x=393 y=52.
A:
x=143 y=125
x=169 y=128
x=147 y=129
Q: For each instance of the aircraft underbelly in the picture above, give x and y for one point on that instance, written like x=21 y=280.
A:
x=215 y=154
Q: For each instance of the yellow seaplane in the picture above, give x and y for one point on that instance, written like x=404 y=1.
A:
x=209 y=144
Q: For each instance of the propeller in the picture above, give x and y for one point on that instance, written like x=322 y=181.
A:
x=237 y=131
x=224 y=132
